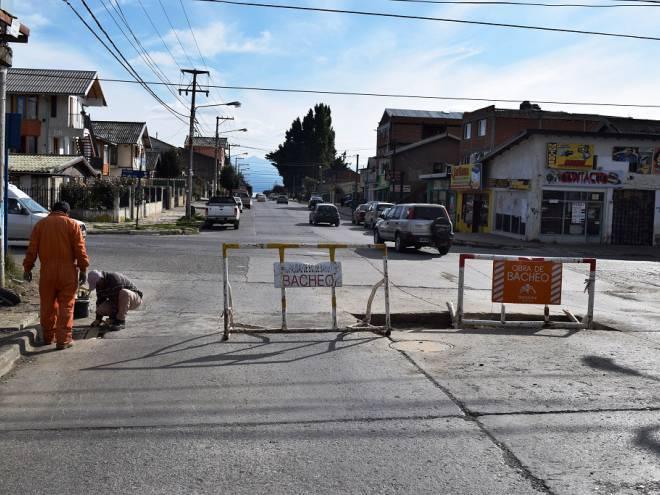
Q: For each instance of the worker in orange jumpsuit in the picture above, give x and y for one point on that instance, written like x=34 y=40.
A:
x=58 y=242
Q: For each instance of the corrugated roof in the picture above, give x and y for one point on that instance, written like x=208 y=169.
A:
x=47 y=164
x=630 y=125
x=49 y=81
x=118 y=132
x=207 y=142
x=425 y=114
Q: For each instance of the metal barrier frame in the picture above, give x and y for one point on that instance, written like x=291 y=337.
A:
x=459 y=321
x=365 y=324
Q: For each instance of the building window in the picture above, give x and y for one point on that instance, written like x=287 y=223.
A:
x=56 y=145
x=573 y=213
x=467 y=131
x=482 y=127
x=29 y=144
x=113 y=155
x=53 y=106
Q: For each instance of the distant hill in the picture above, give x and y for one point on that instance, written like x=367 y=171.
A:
x=262 y=175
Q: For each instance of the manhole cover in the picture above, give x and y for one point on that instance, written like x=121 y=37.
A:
x=420 y=346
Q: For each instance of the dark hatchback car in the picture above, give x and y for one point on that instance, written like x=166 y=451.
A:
x=358 y=214
x=324 y=213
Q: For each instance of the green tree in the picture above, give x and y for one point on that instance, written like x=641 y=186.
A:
x=170 y=165
x=308 y=148
x=229 y=178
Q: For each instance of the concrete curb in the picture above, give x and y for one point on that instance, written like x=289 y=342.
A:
x=16 y=345
x=140 y=232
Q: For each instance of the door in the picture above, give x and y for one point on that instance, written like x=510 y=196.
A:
x=632 y=217
x=388 y=225
x=594 y=221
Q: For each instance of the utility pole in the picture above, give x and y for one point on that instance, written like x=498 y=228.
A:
x=357 y=180
x=393 y=180
x=215 y=154
x=191 y=133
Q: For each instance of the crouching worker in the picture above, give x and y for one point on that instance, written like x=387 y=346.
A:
x=115 y=296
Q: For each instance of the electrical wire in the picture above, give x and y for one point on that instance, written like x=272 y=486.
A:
x=119 y=56
x=435 y=19
x=382 y=95
x=153 y=25
x=524 y=4
x=176 y=35
x=185 y=13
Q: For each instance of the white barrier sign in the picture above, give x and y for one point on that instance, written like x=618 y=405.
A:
x=294 y=274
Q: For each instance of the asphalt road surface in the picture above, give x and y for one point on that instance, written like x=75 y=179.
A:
x=166 y=406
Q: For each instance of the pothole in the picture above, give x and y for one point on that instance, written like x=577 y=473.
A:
x=420 y=346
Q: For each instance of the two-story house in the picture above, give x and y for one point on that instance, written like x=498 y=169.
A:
x=121 y=145
x=52 y=105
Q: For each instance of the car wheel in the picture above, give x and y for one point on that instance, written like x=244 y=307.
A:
x=236 y=224
x=398 y=243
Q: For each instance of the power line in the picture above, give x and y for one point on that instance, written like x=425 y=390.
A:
x=526 y=4
x=436 y=19
x=126 y=66
x=193 y=35
x=378 y=95
x=174 y=32
x=153 y=25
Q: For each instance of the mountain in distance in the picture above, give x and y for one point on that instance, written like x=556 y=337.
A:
x=261 y=174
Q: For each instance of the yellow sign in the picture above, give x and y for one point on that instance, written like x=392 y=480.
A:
x=571 y=156
x=466 y=176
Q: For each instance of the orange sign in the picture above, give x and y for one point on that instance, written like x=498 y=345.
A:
x=527 y=282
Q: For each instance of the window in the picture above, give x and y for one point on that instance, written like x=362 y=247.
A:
x=29 y=144
x=53 y=106
x=31 y=107
x=14 y=207
x=482 y=127
x=467 y=131
x=56 y=146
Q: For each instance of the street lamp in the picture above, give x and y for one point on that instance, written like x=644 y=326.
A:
x=236 y=104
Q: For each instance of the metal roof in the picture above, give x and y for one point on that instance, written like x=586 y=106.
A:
x=152 y=158
x=50 y=81
x=424 y=114
x=207 y=142
x=118 y=132
x=48 y=164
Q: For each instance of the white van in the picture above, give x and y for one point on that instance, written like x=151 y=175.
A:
x=23 y=213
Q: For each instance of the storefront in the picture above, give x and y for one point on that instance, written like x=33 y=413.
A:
x=573 y=216
x=473 y=203
x=438 y=192
x=511 y=206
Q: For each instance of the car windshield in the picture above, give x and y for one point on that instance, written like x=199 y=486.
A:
x=429 y=212
x=33 y=206
x=327 y=209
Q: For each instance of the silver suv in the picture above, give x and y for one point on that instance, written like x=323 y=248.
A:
x=375 y=208
x=417 y=225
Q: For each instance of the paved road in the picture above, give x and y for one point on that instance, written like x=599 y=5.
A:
x=167 y=407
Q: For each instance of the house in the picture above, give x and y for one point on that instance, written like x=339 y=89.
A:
x=400 y=128
x=120 y=145
x=52 y=105
x=572 y=187
x=40 y=176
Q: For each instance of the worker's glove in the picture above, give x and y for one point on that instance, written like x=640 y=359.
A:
x=82 y=278
x=27 y=276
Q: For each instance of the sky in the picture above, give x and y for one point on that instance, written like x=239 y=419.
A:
x=278 y=48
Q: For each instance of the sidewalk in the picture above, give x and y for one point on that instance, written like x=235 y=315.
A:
x=166 y=223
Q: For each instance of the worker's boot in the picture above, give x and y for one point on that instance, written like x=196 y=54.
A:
x=116 y=325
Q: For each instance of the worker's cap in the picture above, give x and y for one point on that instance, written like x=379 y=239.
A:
x=93 y=278
x=62 y=206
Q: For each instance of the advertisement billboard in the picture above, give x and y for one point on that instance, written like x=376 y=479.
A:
x=570 y=156
x=466 y=177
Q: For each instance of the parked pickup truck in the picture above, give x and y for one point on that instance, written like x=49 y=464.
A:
x=222 y=210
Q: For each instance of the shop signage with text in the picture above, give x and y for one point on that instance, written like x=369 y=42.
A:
x=570 y=156
x=466 y=176
x=294 y=274
x=527 y=282
x=594 y=178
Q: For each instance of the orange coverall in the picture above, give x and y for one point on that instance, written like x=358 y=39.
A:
x=59 y=243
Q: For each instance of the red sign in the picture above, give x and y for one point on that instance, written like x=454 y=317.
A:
x=527 y=282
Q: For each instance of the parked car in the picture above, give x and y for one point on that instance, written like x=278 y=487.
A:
x=23 y=213
x=239 y=202
x=324 y=213
x=282 y=200
x=246 y=198
x=417 y=225
x=358 y=214
x=222 y=210
x=261 y=198
x=313 y=201
x=371 y=215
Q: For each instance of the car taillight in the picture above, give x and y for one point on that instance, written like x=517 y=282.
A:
x=411 y=214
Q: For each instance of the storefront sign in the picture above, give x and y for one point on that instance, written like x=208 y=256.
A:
x=518 y=184
x=594 y=178
x=570 y=156
x=295 y=274
x=527 y=282
x=639 y=160
x=464 y=177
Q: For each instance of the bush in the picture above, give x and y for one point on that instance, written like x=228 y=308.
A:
x=98 y=194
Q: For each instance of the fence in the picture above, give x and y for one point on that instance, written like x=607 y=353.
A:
x=44 y=195
x=329 y=270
